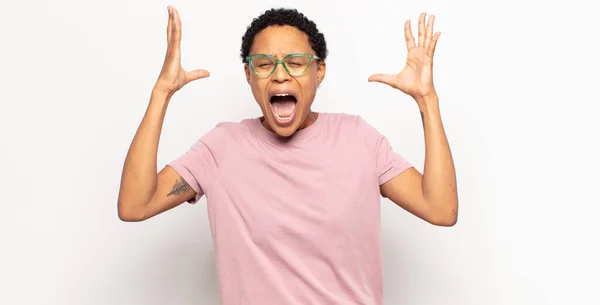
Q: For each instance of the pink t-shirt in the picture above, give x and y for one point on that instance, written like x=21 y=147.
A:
x=294 y=221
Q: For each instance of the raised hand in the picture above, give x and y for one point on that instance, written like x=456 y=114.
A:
x=416 y=79
x=172 y=76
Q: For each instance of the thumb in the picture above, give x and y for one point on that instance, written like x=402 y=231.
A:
x=196 y=74
x=387 y=79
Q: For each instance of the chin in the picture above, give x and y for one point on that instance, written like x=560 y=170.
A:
x=283 y=128
x=283 y=111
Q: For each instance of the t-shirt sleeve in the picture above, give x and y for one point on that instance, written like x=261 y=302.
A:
x=387 y=162
x=199 y=166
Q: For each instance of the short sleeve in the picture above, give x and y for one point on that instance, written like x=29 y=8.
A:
x=199 y=166
x=388 y=163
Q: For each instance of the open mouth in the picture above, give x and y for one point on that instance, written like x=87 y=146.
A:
x=283 y=106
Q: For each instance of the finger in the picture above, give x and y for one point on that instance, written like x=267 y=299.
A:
x=196 y=74
x=429 y=31
x=434 y=40
x=421 y=29
x=410 y=39
x=387 y=79
x=176 y=30
x=169 y=25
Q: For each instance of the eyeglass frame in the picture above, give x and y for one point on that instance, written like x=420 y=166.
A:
x=282 y=62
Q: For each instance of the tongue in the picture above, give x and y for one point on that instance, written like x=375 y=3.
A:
x=283 y=107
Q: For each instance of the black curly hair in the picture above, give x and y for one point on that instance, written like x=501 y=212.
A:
x=283 y=16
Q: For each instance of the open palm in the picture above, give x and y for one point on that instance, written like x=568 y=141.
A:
x=416 y=78
x=172 y=75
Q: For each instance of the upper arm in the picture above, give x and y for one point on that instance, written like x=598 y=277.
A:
x=186 y=178
x=405 y=190
x=399 y=181
x=171 y=191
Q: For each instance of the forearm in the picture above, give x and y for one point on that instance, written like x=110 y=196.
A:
x=439 y=177
x=139 y=176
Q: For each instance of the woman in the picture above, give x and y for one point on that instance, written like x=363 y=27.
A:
x=293 y=196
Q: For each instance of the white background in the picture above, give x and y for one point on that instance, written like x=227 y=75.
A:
x=518 y=83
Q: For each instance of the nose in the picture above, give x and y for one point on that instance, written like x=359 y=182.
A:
x=280 y=75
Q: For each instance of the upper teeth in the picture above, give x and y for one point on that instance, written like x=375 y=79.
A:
x=282 y=94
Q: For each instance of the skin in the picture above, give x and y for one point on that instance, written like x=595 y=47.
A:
x=280 y=41
x=144 y=193
x=431 y=196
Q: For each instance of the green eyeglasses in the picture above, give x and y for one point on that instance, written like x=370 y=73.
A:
x=295 y=64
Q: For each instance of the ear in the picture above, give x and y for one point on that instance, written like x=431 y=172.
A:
x=321 y=71
x=247 y=71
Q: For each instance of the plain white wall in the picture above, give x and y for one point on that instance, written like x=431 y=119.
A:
x=518 y=84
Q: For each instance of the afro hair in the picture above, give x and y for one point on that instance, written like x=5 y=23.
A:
x=283 y=16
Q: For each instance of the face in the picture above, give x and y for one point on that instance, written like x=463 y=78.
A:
x=285 y=100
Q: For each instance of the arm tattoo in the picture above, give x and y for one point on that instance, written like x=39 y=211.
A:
x=179 y=187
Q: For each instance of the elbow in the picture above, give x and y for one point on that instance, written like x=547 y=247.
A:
x=448 y=221
x=129 y=214
x=446 y=217
x=128 y=217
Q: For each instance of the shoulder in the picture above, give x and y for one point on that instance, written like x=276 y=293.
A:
x=229 y=130
x=337 y=118
x=219 y=137
x=352 y=123
x=347 y=121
